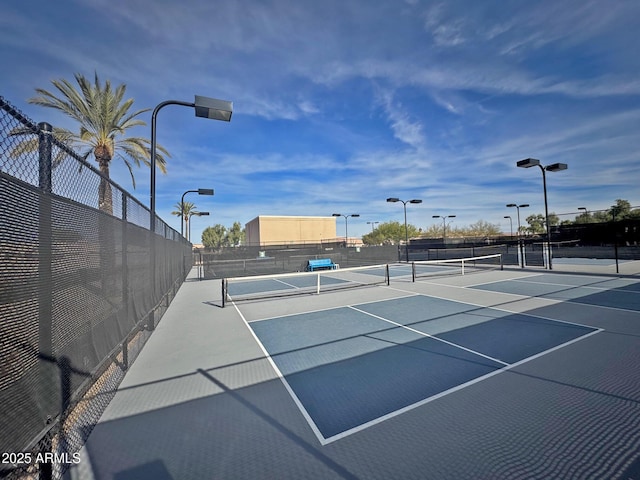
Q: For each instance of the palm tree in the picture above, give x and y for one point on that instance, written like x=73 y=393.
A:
x=185 y=210
x=104 y=118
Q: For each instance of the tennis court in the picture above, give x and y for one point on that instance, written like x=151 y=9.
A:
x=497 y=373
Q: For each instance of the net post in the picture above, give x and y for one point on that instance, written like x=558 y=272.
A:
x=501 y=263
x=318 y=284
x=462 y=265
x=413 y=271
x=388 y=277
x=224 y=293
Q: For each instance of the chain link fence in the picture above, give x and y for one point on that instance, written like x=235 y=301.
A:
x=605 y=234
x=77 y=298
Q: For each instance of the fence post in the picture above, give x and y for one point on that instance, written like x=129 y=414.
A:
x=48 y=379
x=125 y=280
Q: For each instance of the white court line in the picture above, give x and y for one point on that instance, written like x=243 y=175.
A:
x=304 y=312
x=325 y=441
x=520 y=296
x=615 y=289
x=449 y=391
x=295 y=287
x=294 y=397
x=429 y=336
x=465 y=302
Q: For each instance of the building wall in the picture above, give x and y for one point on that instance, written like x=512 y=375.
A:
x=272 y=230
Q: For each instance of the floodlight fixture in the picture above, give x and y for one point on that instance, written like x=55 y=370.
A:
x=204 y=107
x=406 y=229
x=346 y=234
x=555 y=167
x=444 y=224
x=213 y=108
x=194 y=214
x=510 y=223
x=200 y=191
x=528 y=163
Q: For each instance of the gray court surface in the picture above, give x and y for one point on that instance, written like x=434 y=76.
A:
x=532 y=374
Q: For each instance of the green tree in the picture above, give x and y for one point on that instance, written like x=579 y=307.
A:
x=235 y=235
x=104 y=118
x=185 y=210
x=621 y=210
x=482 y=229
x=537 y=222
x=214 y=237
x=389 y=233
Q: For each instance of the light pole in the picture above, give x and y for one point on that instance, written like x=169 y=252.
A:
x=197 y=214
x=200 y=191
x=510 y=224
x=206 y=108
x=444 y=224
x=520 y=246
x=373 y=225
x=346 y=234
x=555 y=167
x=586 y=214
x=406 y=231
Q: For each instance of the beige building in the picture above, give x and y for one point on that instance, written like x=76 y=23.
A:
x=279 y=230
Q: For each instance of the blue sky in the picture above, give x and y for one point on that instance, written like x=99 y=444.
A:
x=339 y=104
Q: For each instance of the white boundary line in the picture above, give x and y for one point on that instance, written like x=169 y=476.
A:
x=428 y=336
x=521 y=296
x=615 y=289
x=449 y=391
x=500 y=309
x=295 y=398
x=325 y=441
x=410 y=294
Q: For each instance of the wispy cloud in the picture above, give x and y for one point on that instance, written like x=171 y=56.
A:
x=339 y=104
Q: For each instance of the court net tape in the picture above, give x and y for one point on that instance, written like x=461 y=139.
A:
x=455 y=266
x=286 y=284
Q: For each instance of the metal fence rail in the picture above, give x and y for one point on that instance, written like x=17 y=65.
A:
x=77 y=300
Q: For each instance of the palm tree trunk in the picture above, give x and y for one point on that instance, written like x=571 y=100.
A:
x=105 y=196
x=106 y=230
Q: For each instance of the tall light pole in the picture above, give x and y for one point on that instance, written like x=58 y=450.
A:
x=205 y=108
x=510 y=224
x=586 y=213
x=373 y=225
x=406 y=230
x=520 y=246
x=197 y=214
x=614 y=209
x=200 y=191
x=444 y=224
x=555 y=167
x=346 y=234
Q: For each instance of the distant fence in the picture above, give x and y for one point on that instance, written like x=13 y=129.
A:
x=77 y=300
x=244 y=261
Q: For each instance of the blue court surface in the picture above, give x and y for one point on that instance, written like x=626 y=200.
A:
x=351 y=367
x=602 y=291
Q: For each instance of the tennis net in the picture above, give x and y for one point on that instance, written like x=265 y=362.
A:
x=256 y=287
x=455 y=266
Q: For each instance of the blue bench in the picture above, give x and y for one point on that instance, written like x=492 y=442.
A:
x=320 y=264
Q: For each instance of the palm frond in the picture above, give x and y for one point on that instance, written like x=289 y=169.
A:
x=104 y=117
